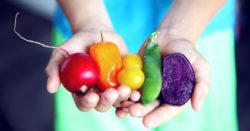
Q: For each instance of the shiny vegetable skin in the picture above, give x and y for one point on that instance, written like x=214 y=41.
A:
x=109 y=61
x=152 y=70
x=79 y=72
x=132 y=77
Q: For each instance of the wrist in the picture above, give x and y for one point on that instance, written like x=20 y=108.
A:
x=86 y=15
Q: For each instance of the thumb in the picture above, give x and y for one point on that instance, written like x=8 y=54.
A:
x=52 y=70
x=202 y=73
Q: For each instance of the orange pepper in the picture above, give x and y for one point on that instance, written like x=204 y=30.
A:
x=109 y=61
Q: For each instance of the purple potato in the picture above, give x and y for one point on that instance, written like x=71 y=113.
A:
x=178 y=79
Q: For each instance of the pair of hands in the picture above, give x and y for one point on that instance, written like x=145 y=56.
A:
x=123 y=99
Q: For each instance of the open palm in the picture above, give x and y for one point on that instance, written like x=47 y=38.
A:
x=93 y=98
x=155 y=114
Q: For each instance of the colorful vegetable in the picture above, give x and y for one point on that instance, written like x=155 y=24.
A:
x=78 y=72
x=131 y=74
x=178 y=79
x=132 y=60
x=109 y=61
x=152 y=70
x=132 y=77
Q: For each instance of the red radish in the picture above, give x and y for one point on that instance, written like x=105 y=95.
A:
x=78 y=72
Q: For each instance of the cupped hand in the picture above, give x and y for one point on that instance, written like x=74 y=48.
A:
x=155 y=114
x=94 y=97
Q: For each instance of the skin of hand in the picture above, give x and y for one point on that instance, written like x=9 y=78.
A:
x=179 y=32
x=93 y=98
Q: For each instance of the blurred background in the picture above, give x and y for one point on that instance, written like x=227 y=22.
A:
x=25 y=104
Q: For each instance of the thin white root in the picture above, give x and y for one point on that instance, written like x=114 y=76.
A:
x=27 y=40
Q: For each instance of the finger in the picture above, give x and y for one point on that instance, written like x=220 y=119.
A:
x=161 y=115
x=126 y=104
x=85 y=102
x=120 y=112
x=135 y=96
x=52 y=70
x=124 y=93
x=202 y=80
x=139 y=110
x=108 y=98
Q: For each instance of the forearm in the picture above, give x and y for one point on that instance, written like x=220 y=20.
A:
x=188 y=18
x=86 y=14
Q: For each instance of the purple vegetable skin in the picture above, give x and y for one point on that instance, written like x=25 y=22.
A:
x=178 y=79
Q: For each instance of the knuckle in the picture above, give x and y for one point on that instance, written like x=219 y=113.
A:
x=124 y=91
x=47 y=70
x=106 y=99
x=82 y=107
x=110 y=95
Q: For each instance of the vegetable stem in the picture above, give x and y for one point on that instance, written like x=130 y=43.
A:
x=153 y=36
x=101 y=37
x=152 y=40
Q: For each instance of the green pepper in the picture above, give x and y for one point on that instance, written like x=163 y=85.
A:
x=152 y=70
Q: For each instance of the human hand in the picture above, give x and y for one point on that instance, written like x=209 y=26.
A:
x=155 y=114
x=94 y=97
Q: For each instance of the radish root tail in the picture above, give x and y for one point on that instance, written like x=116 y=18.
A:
x=27 y=40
